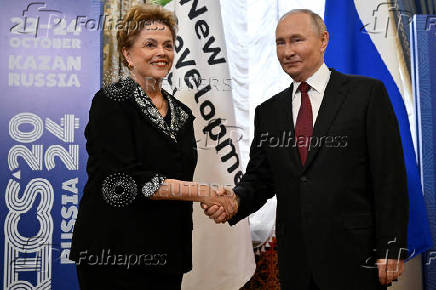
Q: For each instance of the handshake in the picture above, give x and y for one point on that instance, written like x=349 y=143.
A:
x=220 y=205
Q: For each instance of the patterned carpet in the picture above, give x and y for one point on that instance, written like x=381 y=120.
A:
x=266 y=275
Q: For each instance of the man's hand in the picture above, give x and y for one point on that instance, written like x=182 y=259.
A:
x=223 y=208
x=389 y=270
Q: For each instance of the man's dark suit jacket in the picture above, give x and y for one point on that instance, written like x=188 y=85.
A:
x=348 y=205
x=130 y=150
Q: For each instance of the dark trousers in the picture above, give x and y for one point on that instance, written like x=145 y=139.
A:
x=119 y=278
x=289 y=286
x=312 y=286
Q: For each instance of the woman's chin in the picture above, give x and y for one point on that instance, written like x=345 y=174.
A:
x=159 y=75
x=156 y=76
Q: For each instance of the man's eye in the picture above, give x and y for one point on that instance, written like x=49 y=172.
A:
x=170 y=46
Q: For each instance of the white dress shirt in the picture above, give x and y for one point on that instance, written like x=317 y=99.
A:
x=317 y=82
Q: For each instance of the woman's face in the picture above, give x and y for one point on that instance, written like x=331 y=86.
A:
x=152 y=52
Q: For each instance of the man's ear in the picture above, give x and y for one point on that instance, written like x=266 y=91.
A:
x=324 y=41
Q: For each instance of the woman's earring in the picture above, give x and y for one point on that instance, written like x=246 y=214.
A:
x=130 y=66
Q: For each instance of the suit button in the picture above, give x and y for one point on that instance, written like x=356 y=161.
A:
x=304 y=179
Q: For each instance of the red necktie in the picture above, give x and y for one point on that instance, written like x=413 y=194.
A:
x=304 y=123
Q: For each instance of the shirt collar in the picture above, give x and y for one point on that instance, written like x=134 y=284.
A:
x=318 y=81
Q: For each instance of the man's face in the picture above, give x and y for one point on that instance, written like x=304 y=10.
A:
x=300 y=48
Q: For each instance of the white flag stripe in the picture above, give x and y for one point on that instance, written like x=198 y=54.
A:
x=377 y=15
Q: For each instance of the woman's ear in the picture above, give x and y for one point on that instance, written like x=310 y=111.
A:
x=126 y=54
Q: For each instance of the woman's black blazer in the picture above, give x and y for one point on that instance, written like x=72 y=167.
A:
x=131 y=151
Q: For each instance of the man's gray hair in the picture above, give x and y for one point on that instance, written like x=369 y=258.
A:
x=317 y=21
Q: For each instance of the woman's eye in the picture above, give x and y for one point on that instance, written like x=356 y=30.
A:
x=149 y=44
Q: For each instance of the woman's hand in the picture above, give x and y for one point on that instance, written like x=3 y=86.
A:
x=220 y=205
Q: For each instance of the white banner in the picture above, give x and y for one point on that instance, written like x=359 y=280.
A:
x=222 y=255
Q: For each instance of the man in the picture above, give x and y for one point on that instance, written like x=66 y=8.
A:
x=329 y=148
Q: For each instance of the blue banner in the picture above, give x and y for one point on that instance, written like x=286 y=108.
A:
x=49 y=71
x=422 y=44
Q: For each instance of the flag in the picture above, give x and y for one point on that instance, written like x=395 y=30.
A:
x=362 y=42
x=223 y=256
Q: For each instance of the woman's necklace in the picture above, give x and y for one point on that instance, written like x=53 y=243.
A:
x=161 y=104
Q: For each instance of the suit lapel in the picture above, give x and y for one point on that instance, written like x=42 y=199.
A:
x=334 y=97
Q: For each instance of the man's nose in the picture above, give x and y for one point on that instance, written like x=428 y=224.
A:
x=288 y=51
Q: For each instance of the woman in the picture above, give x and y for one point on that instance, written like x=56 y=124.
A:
x=133 y=229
